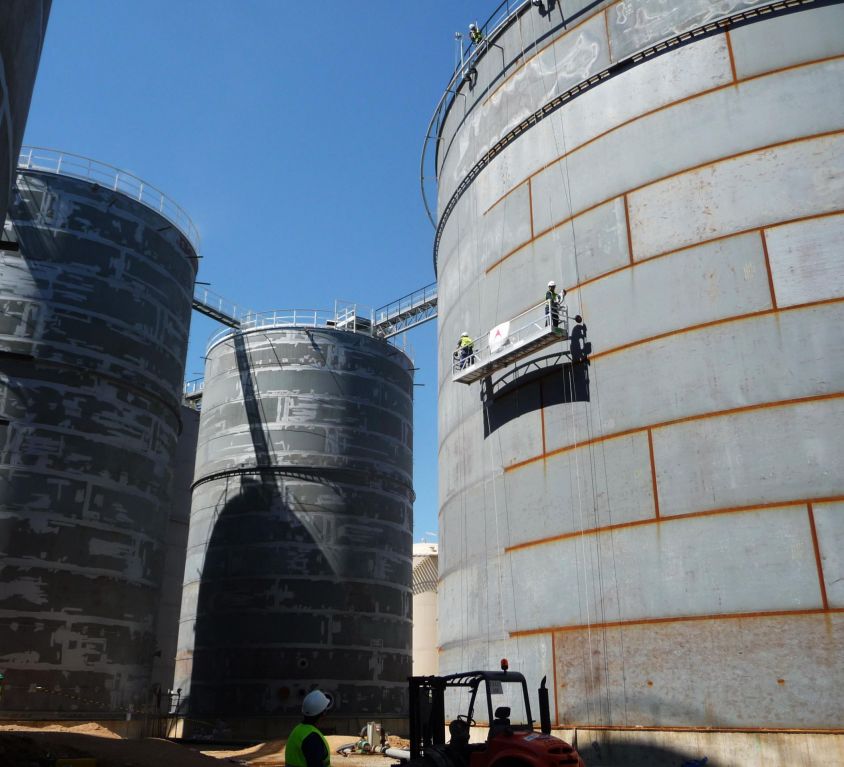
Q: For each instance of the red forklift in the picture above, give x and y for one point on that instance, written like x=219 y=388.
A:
x=509 y=743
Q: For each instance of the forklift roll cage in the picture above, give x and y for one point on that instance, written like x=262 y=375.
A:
x=427 y=704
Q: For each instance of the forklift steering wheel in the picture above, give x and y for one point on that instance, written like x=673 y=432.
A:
x=464 y=718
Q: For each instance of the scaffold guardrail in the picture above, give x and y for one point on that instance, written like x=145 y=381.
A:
x=109 y=177
x=530 y=331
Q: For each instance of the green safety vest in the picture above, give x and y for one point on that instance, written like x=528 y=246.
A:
x=465 y=341
x=293 y=756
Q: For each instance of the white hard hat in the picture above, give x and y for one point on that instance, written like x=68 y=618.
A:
x=316 y=702
x=473 y=26
x=464 y=333
x=551 y=283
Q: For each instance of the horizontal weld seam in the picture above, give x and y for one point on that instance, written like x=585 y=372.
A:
x=676 y=421
x=676 y=619
x=796 y=503
x=712 y=323
x=655 y=110
x=684 y=171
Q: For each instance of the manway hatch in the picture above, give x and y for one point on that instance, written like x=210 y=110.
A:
x=510 y=341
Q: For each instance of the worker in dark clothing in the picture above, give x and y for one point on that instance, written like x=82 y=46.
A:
x=475 y=34
x=553 y=302
x=465 y=350
x=307 y=746
x=580 y=347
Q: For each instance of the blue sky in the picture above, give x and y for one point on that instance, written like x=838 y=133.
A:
x=289 y=131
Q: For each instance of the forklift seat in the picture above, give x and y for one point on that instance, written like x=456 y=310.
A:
x=501 y=723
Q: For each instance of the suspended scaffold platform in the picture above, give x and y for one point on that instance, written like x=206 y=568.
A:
x=532 y=330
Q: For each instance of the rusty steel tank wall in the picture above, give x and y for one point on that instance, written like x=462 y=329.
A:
x=298 y=569
x=666 y=548
x=23 y=24
x=96 y=307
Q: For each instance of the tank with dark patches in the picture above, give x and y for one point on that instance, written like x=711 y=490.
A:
x=96 y=309
x=299 y=556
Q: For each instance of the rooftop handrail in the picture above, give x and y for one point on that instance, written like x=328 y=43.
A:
x=110 y=177
x=521 y=327
x=306 y=318
x=499 y=18
x=194 y=386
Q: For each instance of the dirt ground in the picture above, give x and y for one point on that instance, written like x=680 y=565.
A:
x=22 y=746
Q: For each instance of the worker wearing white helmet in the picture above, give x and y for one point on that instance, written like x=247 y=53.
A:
x=553 y=301
x=307 y=746
x=475 y=34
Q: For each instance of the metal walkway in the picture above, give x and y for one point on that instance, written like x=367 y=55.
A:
x=510 y=341
x=407 y=312
x=218 y=308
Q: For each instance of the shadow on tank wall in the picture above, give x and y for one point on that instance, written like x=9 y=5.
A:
x=630 y=753
x=274 y=576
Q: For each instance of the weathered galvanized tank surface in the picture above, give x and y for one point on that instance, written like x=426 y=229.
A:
x=22 y=27
x=95 y=313
x=668 y=548
x=298 y=570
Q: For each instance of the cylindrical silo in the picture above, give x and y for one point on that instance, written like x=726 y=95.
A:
x=96 y=308
x=23 y=24
x=299 y=553
x=664 y=545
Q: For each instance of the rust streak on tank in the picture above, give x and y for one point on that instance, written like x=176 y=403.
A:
x=676 y=619
x=818 y=561
x=663 y=107
x=675 y=421
x=785 y=504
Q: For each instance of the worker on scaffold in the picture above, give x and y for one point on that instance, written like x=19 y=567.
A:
x=464 y=354
x=475 y=34
x=553 y=302
x=307 y=746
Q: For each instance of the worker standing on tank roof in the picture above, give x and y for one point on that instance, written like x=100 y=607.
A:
x=553 y=301
x=475 y=34
x=307 y=746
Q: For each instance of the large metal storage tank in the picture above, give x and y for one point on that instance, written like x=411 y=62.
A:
x=668 y=548
x=96 y=308
x=298 y=569
x=23 y=24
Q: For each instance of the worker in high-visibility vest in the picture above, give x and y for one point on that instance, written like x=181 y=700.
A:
x=307 y=746
x=475 y=34
x=553 y=301
x=465 y=350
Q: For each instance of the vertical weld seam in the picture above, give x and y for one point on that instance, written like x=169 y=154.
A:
x=606 y=14
x=530 y=204
x=768 y=268
x=818 y=561
x=732 y=57
x=554 y=672
x=629 y=232
x=542 y=417
x=653 y=473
